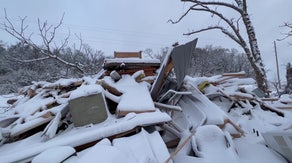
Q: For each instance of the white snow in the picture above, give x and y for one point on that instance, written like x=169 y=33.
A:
x=54 y=155
x=61 y=83
x=210 y=143
x=144 y=147
x=100 y=153
x=251 y=150
x=137 y=99
x=85 y=90
x=139 y=148
x=15 y=151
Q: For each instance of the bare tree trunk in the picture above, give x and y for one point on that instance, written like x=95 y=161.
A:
x=289 y=79
x=231 y=28
x=256 y=61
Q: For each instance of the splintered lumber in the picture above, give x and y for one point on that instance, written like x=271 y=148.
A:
x=237 y=95
x=271 y=108
x=11 y=101
x=241 y=96
x=22 y=128
x=265 y=106
x=237 y=128
x=269 y=99
x=288 y=107
x=7 y=121
x=111 y=89
x=66 y=84
x=172 y=143
x=228 y=76
x=160 y=79
x=31 y=93
x=51 y=129
x=222 y=80
x=180 y=147
x=138 y=75
x=238 y=74
x=52 y=104
x=244 y=96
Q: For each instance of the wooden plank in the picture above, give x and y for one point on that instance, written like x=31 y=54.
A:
x=129 y=65
x=287 y=107
x=11 y=101
x=149 y=71
x=269 y=99
x=90 y=144
x=239 y=74
x=111 y=89
x=172 y=143
x=128 y=54
x=160 y=79
x=179 y=148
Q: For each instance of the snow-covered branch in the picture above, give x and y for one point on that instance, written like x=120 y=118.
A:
x=31 y=60
x=47 y=33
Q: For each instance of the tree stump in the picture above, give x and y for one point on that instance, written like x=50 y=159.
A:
x=289 y=80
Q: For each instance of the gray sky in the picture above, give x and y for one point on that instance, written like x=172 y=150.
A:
x=133 y=25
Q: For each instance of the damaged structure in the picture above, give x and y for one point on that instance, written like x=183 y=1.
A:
x=142 y=110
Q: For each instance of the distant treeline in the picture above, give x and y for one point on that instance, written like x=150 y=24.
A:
x=20 y=64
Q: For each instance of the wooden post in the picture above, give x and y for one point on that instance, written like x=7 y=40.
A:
x=277 y=64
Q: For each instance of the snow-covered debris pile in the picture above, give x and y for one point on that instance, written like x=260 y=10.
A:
x=234 y=95
x=131 y=114
x=42 y=115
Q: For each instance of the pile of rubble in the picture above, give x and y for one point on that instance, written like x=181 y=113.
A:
x=132 y=111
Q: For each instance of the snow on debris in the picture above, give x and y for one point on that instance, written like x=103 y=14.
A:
x=221 y=119
x=60 y=153
x=85 y=90
x=131 y=100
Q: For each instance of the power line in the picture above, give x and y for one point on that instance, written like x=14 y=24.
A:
x=101 y=29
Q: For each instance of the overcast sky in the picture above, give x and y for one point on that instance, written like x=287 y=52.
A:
x=133 y=25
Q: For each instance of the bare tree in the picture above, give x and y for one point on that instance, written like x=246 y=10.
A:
x=231 y=27
x=288 y=27
x=47 y=33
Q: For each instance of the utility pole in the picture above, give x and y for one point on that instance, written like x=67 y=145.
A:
x=277 y=64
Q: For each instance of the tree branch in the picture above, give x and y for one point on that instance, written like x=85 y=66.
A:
x=234 y=28
x=31 y=60
x=47 y=34
x=287 y=34
x=177 y=21
x=223 y=30
x=216 y=3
